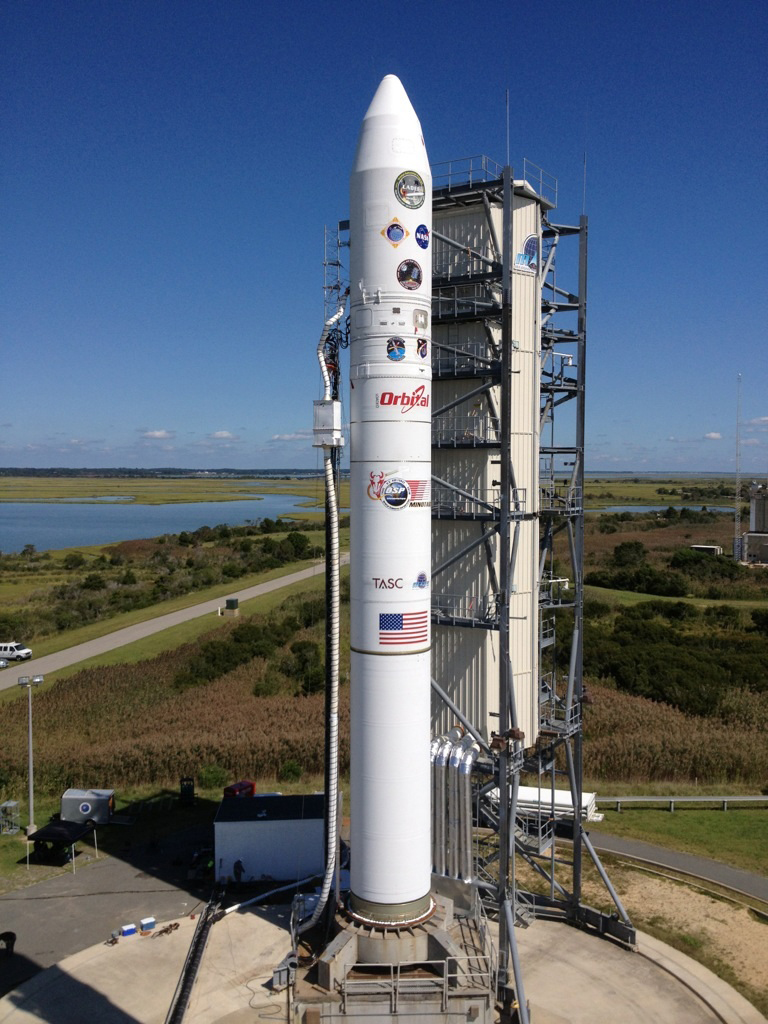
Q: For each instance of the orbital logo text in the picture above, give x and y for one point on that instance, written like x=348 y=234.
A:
x=417 y=399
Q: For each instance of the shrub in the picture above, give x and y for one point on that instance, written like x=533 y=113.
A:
x=290 y=771
x=212 y=776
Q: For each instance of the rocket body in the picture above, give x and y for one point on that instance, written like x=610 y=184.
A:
x=390 y=543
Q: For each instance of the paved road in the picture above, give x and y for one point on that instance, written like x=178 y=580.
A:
x=743 y=881
x=121 y=637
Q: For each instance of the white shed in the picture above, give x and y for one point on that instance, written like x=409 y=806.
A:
x=273 y=837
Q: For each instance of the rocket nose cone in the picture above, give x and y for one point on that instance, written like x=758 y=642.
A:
x=390 y=99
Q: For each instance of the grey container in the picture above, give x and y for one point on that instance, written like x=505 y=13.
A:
x=96 y=805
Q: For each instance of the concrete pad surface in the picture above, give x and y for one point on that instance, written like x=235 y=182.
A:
x=570 y=977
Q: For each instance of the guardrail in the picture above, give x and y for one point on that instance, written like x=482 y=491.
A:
x=722 y=801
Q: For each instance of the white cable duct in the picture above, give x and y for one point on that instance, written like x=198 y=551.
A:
x=433 y=749
x=454 y=805
x=441 y=802
x=332 y=568
x=465 y=810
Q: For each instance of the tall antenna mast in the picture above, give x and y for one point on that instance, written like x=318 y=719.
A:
x=507 y=127
x=737 y=515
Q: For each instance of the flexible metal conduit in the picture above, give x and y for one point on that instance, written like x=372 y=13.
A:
x=454 y=805
x=440 y=802
x=465 y=810
x=332 y=568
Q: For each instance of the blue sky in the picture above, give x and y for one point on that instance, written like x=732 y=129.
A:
x=168 y=168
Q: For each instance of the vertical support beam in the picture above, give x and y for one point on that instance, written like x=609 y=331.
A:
x=506 y=700
x=578 y=610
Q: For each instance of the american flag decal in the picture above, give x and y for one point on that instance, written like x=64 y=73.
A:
x=403 y=627
x=419 y=489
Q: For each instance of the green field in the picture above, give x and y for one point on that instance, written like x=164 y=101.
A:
x=603 y=491
x=161 y=491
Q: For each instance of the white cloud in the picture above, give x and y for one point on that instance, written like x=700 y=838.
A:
x=713 y=436
x=751 y=440
x=300 y=435
x=223 y=435
x=758 y=421
x=159 y=435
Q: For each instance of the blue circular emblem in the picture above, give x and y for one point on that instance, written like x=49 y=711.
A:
x=422 y=235
x=421 y=581
x=421 y=347
x=396 y=349
x=85 y=808
x=395 y=232
x=396 y=494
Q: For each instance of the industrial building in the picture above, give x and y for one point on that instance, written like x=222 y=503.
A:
x=754 y=543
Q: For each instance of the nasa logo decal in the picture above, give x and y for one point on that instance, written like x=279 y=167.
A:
x=396 y=349
x=409 y=275
x=395 y=233
x=409 y=190
x=422 y=236
x=421 y=347
x=421 y=582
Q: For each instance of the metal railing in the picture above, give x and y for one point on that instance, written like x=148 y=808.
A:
x=543 y=183
x=468 y=357
x=563 y=500
x=473 y=170
x=469 y=608
x=467 y=170
x=426 y=980
x=465 y=431
x=468 y=301
x=534 y=834
x=546 y=630
x=554 y=590
x=555 y=717
x=482 y=504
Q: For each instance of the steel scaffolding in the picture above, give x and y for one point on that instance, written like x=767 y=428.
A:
x=473 y=299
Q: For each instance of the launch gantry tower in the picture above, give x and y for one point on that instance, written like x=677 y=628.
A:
x=509 y=346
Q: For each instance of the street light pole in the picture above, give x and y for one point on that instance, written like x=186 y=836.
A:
x=28 y=683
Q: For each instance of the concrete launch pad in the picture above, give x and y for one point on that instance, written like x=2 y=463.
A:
x=591 y=980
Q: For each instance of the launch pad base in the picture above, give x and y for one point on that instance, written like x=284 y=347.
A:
x=442 y=968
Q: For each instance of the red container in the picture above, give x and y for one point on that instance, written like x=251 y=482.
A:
x=243 y=788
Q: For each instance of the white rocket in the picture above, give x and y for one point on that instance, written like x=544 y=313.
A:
x=390 y=545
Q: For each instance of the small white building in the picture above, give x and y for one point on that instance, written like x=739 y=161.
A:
x=707 y=549
x=273 y=837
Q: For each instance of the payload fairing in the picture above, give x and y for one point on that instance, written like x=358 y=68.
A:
x=390 y=545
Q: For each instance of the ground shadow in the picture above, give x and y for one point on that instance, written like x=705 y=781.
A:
x=168 y=842
x=75 y=1001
